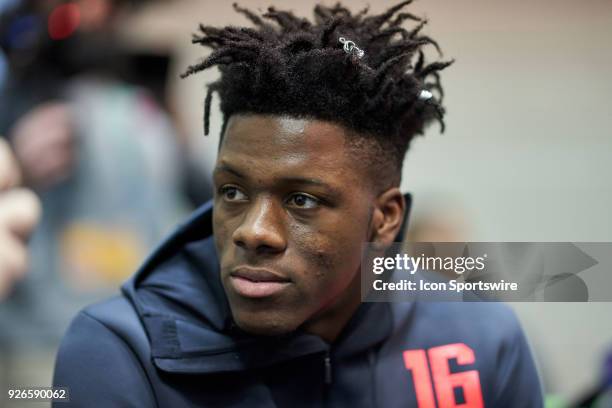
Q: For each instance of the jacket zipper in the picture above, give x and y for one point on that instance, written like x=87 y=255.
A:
x=328 y=369
x=327 y=378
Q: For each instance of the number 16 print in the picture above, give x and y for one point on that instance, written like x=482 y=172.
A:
x=419 y=362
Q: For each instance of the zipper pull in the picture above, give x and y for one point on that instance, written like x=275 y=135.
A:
x=328 y=369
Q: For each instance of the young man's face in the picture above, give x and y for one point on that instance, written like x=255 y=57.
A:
x=292 y=209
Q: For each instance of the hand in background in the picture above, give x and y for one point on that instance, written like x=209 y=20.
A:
x=44 y=144
x=19 y=214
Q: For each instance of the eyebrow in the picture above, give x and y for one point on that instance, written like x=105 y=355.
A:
x=228 y=169
x=296 y=180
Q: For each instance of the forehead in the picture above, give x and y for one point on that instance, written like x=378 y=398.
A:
x=273 y=144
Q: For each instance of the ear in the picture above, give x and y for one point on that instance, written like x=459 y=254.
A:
x=389 y=208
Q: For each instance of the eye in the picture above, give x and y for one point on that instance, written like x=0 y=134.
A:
x=232 y=194
x=303 y=201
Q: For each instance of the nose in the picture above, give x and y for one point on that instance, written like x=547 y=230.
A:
x=261 y=230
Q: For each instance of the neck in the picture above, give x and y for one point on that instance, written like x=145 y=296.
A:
x=329 y=323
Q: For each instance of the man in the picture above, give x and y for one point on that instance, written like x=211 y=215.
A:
x=257 y=303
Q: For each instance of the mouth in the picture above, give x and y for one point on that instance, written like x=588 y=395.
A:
x=256 y=282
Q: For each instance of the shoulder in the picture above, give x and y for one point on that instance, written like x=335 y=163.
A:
x=99 y=358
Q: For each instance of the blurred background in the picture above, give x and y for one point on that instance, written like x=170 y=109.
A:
x=111 y=140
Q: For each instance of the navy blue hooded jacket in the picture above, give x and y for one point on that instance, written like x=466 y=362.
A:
x=169 y=341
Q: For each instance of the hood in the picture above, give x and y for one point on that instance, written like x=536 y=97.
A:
x=179 y=298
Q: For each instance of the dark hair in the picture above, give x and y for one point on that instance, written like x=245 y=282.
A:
x=288 y=65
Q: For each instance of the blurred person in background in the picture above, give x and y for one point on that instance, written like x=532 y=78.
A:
x=102 y=153
x=600 y=395
x=19 y=213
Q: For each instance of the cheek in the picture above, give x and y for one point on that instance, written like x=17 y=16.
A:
x=331 y=256
x=330 y=270
x=222 y=232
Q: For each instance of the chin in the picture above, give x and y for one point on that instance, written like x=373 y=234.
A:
x=264 y=324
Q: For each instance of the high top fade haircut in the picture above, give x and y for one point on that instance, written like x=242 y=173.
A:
x=288 y=65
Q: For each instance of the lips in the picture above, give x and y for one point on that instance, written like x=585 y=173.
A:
x=257 y=283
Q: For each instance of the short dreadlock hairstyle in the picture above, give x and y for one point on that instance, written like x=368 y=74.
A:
x=288 y=65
